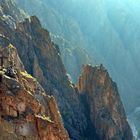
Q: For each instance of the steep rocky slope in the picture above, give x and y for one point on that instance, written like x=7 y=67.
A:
x=26 y=112
x=42 y=59
x=65 y=32
x=103 y=27
x=101 y=98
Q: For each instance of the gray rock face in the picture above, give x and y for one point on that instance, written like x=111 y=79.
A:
x=12 y=85
x=9 y=55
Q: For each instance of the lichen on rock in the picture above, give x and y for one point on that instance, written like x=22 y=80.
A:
x=26 y=112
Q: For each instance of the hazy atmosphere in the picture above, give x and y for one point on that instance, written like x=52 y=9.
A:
x=85 y=55
x=97 y=32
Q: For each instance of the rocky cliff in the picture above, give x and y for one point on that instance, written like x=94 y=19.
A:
x=42 y=59
x=100 y=95
x=26 y=111
x=106 y=27
x=65 y=32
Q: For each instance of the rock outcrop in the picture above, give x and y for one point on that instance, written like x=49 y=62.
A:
x=42 y=52
x=65 y=32
x=100 y=94
x=108 y=29
x=42 y=59
x=26 y=111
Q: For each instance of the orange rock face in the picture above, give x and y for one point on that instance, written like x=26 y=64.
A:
x=105 y=107
x=26 y=112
